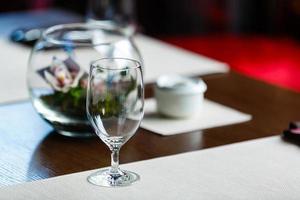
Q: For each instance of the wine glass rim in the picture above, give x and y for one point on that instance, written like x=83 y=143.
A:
x=137 y=64
x=46 y=34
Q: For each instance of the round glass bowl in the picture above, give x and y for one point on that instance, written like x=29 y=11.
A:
x=58 y=71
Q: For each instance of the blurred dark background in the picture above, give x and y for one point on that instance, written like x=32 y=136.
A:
x=209 y=16
x=190 y=17
x=258 y=38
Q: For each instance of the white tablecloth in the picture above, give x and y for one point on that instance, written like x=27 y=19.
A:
x=266 y=169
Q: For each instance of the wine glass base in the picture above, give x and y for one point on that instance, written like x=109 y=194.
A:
x=105 y=178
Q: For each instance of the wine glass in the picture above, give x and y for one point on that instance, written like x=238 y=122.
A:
x=115 y=108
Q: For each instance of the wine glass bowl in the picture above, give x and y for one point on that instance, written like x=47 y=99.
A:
x=115 y=108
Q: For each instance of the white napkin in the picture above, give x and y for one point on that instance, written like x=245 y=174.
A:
x=265 y=169
x=211 y=115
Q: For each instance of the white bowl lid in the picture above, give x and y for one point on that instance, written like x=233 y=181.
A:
x=181 y=84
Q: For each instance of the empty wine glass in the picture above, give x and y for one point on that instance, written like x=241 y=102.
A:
x=115 y=108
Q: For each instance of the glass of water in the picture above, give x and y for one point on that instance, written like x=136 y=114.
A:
x=115 y=108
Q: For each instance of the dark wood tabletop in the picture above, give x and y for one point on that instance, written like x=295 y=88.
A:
x=31 y=150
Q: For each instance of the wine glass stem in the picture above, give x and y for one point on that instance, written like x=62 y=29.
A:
x=115 y=161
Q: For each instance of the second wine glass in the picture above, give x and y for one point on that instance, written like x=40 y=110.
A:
x=115 y=108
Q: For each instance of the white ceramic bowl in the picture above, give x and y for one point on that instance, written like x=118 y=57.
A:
x=179 y=96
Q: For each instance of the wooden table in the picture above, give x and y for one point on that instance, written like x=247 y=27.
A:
x=30 y=155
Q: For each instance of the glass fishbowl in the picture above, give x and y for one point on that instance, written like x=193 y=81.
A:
x=58 y=70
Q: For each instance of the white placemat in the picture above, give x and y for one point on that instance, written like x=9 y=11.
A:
x=13 y=67
x=211 y=115
x=260 y=169
x=160 y=58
